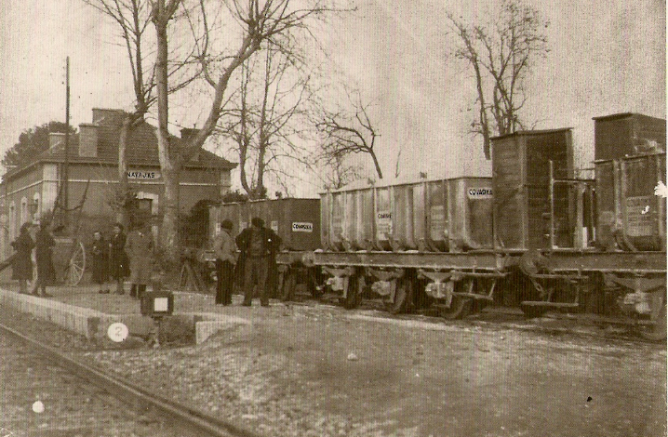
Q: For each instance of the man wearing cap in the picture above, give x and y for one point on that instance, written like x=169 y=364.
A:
x=257 y=244
x=226 y=258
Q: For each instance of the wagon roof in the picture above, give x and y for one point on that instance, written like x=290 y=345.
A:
x=533 y=132
x=625 y=115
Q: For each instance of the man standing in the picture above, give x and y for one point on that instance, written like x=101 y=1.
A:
x=140 y=250
x=22 y=262
x=226 y=258
x=257 y=245
x=119 y=265
x=46 y=274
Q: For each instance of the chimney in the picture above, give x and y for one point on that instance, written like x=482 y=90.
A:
x=88 y=140
x=55 y=138
x=100 y=114
x=186 y=134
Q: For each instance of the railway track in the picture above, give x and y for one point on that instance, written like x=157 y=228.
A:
x=45 y=393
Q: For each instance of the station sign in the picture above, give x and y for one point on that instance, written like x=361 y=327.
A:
x=143 y=175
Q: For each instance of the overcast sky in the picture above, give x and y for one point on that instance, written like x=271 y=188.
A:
x=605 y=57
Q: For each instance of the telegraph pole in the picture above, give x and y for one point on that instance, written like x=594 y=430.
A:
x=66 y=168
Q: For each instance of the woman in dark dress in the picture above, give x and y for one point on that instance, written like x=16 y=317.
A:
x=22 y=263
x=46 y=273
x=119 y=264
x=100 y=252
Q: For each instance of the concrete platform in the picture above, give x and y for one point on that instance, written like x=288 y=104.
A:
x=93 y=324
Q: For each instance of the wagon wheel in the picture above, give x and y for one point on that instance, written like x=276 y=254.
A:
x=354 y=295
x=289 y=285
x=657 y=331
x=460 y=307
x=314 y=285
x=402 y=296
x=76 y=265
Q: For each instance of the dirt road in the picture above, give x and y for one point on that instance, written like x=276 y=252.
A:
x=311 y=371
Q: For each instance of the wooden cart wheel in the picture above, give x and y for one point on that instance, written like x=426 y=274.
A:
x=402 y=296
x=459 y=307
x=656 y=332
x=77 y=265
x=354 y=296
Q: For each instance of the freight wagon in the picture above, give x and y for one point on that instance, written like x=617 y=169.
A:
x=532 y=235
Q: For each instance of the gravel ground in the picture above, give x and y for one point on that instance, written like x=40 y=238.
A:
x=310 y=371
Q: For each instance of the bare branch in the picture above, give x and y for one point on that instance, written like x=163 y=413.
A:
x=500 y=55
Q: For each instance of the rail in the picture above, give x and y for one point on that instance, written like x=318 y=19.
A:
x=197 y=423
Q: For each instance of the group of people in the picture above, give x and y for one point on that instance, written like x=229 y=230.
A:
x=120 y=257
x=38 y=237
x=258 y=246
x=113 y=260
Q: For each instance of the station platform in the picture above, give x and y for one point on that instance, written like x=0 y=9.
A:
x=83 y=310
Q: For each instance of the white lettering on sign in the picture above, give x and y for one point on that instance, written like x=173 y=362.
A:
x=479 y=193
x=143 y=175
x=302 y=227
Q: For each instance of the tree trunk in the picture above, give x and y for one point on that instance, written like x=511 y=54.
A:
x=123 y=186
x=169 y=164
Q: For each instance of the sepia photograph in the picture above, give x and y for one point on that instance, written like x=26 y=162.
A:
x=333 y=218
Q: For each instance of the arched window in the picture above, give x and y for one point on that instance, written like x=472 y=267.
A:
x=24 y=210
x=36 y=207
x=12 y=220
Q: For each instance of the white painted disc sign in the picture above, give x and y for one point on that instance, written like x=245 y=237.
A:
x=38 y=407
x=117 y=332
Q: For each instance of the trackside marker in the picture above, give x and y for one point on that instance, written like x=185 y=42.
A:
x=117 y=332
x=38 y=407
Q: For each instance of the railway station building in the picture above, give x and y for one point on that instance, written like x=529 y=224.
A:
x=29 y=191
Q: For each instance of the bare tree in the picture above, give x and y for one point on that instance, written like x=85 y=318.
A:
x=133 y=18
x=260 y=22
x=501 y=55
x=341 y=173
x=267 y=116
x=348 y=133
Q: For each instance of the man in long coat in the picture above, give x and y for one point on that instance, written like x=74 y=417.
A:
x=140 y=250
x=22 y=262
x=226 y=258
x=119 y=268
x=46 y=273
x=258 y=245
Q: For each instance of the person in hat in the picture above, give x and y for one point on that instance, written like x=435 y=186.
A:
x=257 y=244
x=226 y=258
x=46 y=273
x=119 y=264
x=140 y=251
x=100 y=258
x=22 y=261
